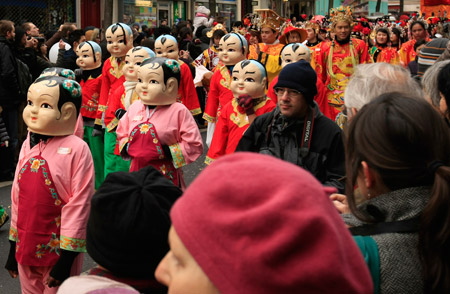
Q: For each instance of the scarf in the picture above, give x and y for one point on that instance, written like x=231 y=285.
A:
x=129 y=90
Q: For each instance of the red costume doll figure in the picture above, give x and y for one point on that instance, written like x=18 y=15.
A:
x=90 y=61
x=232 y=49
x=167 y=46
x=293 y=53
x=124 y=96
x=157 y=130
x=52 y=189
x=249 y=80
x=119 y=38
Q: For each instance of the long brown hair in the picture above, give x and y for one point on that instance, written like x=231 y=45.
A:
x=407 y=143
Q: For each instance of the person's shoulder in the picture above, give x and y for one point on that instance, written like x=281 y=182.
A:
x=326 y=124
x=358 y=42
x=263 y=118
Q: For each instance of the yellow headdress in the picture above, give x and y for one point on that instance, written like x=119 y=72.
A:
x=312 y=25
x=342 y=13
x=269 y=18
x=218 y=26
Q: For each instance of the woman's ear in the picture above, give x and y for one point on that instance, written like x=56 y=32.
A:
x=369 y=175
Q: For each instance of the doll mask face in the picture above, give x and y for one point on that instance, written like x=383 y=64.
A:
x=293 y=54
x=230 y=50
x=133 y=61
x=116 y=42
x=168 y=50
x=42 y=115
x=151 y=87
x=246 y=79
x=85 y=58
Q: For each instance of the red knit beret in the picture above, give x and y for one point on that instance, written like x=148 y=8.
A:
x=256 y=224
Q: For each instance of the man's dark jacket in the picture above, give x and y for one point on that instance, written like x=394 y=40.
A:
x=273 y=134
x=9 y=86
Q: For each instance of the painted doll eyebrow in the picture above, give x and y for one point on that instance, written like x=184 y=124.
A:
x=170 y=46
x=235 y=71
x=138 y=55
x=84 y=51
x=249 y=72
x=231 y=44
x=287 y=54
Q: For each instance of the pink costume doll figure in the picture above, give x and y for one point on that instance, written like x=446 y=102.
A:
x=52 y=189
x=119 y=38
x=90 y=61
x=292 y=53
x=156 y=130
x=249 y=80
x=167 y=46
x=69 y=74
x=233 y=48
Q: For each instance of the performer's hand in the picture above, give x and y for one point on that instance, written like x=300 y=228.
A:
x=52 y=282
x=97 y=131
x=119 y=113
x=14 y=274
x=246 y=102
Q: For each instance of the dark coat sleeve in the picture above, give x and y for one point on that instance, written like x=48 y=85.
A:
x=335 y=165
x=8 y=71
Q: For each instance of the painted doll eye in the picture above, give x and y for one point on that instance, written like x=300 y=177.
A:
x=46 y=105
x=29 y=103
x=235 y=79
x=249 y=80
x=153 y=82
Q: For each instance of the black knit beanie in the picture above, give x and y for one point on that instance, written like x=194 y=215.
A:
x=299 y=76
x=129 y=222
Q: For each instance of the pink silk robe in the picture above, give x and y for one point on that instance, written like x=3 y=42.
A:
x=72 y=169
x=175 y=126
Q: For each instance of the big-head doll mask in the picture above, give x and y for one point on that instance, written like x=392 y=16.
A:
x=249 y=77
x=294 y=52
x=89 y=55
x=53 y=105
x=158 y=81
x=119 y=39
x=232 y=49
x=133 y=60
x=166 y=46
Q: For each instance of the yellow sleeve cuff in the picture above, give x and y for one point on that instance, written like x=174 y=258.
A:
x=177 y=155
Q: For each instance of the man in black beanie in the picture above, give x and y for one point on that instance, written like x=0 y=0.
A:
x=128 y=227
x=296 y=131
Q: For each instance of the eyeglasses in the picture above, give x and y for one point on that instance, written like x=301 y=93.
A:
x=290 y=92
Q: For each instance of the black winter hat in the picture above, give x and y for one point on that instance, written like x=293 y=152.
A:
x=299 y=76
x=129 y=222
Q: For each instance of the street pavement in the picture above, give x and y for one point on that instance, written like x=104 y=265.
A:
x=12 y=286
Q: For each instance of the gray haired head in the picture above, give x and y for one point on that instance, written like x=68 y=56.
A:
x=371 y=80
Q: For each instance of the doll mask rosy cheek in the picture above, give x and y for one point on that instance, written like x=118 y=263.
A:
x=151 y=87
x=42 y=114
x=248 y=78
